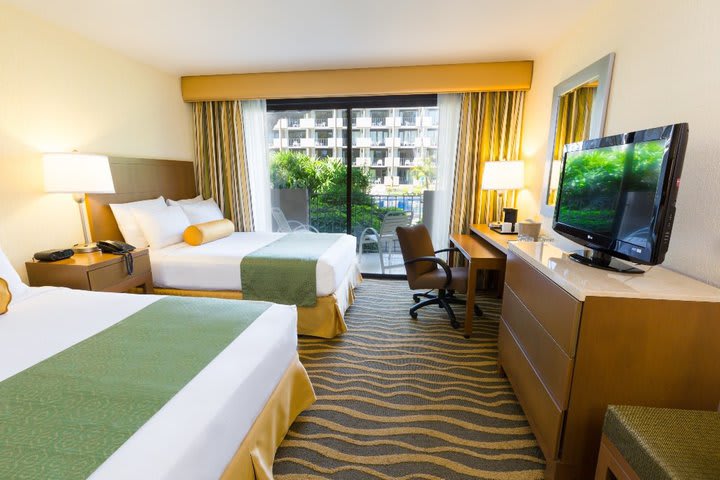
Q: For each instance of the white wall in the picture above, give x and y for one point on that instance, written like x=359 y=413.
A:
x=667 y=70
x=60 y=92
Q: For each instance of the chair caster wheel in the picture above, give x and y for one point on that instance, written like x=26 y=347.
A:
x=478 y=311
x=454 y=324
x=413 y=315
x=416 y=298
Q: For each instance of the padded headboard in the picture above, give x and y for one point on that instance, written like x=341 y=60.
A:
x=137 y=179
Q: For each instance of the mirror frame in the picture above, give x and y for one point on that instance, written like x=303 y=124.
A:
x=600 y=71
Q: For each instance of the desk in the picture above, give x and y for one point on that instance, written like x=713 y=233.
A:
x=480 y=255
x=497 y=240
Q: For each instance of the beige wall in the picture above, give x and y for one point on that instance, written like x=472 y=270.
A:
x=667 y=70
x=60 y=92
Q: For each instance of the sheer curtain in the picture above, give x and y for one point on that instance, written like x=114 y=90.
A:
x=256 y=152
x=449 y=123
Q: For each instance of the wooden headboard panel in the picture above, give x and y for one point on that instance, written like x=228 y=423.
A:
x=138 y=179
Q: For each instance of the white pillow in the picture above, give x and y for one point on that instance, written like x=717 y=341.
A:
x=174 y=203
x=128 y=225
x=162 y=227
x=201 y=212
x=10 y=275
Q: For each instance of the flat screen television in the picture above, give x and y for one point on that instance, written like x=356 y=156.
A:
x=616 y=196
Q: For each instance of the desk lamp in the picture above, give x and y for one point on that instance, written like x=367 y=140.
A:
x=503 y=176
x=78 y=173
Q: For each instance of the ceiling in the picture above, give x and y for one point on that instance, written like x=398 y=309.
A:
x=237 y=36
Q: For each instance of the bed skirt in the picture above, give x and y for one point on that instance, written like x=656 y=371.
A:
x=254 y=458
x=325 y=319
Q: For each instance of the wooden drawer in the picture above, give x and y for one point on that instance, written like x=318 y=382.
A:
x=543 y=415
x=556 y=310
x=552 y=364
x=111 y=275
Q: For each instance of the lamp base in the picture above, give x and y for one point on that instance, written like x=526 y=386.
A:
x=85 y=248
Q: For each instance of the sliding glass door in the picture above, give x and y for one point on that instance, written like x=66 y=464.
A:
x=308 y=169
x=388 y=179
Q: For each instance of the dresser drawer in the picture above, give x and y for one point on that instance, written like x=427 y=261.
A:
x=556 y=310
x=108 y=276
x=543 y=415
x=552 y=364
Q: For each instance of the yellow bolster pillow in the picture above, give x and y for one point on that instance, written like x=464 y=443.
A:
x=5 y=296
x=208 y=232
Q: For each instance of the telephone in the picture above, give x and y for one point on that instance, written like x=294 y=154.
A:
x=119 y=248
x=115 y=247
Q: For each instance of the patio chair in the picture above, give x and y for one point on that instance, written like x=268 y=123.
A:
x=385 y=238
x=285 y=225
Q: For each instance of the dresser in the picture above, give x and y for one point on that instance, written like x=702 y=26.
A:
x=574 y=339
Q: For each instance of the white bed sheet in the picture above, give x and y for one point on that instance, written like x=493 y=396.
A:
x=216 y=265
x=199 y=430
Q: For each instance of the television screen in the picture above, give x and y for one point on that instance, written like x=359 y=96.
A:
x=617 y=194
x=611 y=191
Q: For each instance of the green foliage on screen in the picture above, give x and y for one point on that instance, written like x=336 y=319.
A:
x=594 y=179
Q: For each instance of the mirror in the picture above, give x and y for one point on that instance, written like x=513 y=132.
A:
x=579 y=106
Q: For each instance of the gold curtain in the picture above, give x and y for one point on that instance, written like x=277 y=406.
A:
x=573 y=118
x=221 y=168
x=573 y=123
x=490 y=130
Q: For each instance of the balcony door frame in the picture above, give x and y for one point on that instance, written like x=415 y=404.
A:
x=348 y=104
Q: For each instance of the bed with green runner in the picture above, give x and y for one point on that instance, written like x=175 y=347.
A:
x=103 y=385
x=318 y=272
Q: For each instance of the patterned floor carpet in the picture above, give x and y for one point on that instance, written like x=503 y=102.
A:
x=408 y=399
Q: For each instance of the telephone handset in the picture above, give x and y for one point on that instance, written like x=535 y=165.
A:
x=119 y=248
x=115 y=247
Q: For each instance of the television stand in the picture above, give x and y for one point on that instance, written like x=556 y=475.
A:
x=594 y=258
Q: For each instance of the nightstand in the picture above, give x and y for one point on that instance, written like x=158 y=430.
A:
x=97 y=271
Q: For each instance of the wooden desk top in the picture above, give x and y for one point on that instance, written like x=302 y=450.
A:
x=497 y=240
x=473 y=248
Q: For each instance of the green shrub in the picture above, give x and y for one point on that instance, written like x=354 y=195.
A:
x=325 y=179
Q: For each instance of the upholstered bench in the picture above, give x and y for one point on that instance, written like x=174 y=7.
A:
x=658 y=444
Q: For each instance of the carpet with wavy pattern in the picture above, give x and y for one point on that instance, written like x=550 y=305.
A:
x=408 y=399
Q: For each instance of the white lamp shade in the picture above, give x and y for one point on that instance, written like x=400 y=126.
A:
x=508 y=175
x=77 y=173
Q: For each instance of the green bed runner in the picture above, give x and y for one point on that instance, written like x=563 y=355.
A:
x=62 y=418
x=284 y=271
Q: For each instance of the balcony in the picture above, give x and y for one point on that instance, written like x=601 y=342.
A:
x=429 y=122
x=307 y=123
x=327 y=213
x=280 y=143
x=425 y=142
x=362 y=142
x=363 y=122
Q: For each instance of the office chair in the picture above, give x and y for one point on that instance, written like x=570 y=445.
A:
x=427 y=271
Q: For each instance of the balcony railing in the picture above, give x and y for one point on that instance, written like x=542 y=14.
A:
x=328 y=211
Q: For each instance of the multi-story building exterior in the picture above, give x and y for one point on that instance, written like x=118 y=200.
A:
x=388 y=141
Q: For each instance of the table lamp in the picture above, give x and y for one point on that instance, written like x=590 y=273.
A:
x=503 y=176
x=78 y=173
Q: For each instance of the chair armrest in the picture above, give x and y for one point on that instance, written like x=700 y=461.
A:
x=369 y=230
x=439 y=261
x=446 y=250
x=299 y=226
